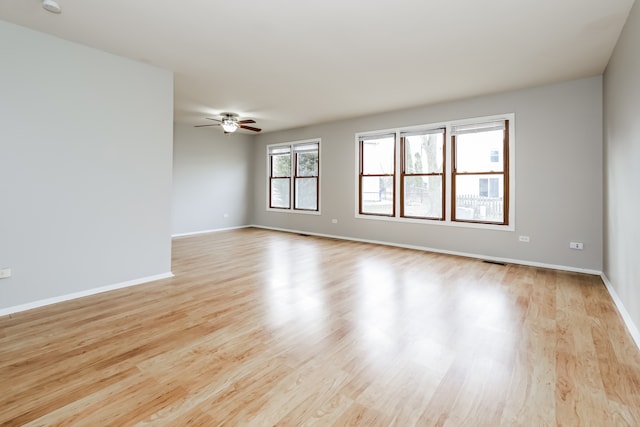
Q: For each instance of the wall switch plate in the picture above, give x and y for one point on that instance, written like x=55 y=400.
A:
x=4 y=273
x=334 y=221
x=576 y=245
x=523 y=239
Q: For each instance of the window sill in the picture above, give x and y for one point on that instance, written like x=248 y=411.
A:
x=294 y=211
x=433 y=222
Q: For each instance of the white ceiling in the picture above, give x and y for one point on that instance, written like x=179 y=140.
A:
x=290 y=63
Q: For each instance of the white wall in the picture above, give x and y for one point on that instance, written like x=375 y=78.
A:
x=558 y=177
x=211 y=178
x=622 y=168
x=85 y=175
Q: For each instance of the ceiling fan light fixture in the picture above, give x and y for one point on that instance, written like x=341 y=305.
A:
x=229 y=125
x=51 y=6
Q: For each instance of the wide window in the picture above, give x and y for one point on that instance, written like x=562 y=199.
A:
x=377 y=175
x=456 y=173
x=480 y=172
x=294 y=176
x=423 y=174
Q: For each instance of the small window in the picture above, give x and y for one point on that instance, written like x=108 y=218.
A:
x=377 y=175
x=303 y=186
x=480 y=185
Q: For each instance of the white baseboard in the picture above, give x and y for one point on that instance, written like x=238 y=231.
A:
x=214 y=230
x=443 y=251
x=67 y=297
x=626 y=317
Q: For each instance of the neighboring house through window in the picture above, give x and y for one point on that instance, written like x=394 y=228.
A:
x=489 y=187
x=480 y=184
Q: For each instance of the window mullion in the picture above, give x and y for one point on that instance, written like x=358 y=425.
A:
x=454 y=172
x=505 y=169
x=294 y=174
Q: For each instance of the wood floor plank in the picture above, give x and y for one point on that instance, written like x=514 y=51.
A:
x=267 y=328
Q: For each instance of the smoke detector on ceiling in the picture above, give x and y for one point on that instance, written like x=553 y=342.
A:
x=51 y=6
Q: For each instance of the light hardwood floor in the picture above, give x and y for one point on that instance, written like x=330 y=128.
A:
x=262 y=328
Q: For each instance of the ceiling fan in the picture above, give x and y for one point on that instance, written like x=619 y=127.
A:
x=230 y=123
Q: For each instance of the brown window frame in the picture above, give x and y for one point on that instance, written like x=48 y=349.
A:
x=404 y=174
x=362 y=175
x=504 y=173
x=273 y=178
x=297 y=177
x=293 y=175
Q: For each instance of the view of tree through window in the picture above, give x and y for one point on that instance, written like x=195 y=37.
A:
x=422 y=175
x=306 y=181
x=280 y=177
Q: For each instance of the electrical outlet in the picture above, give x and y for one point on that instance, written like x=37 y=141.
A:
x=4 y=273
x=576 y=245
x=524 y=239
x=334 y=221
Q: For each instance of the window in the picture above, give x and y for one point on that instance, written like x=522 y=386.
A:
x=377 y=175
x=303 y=158
x=306 y=179
x=422 y=174
x=489 y=187
x=456 y=173
x=280 y=177
x=480 y=185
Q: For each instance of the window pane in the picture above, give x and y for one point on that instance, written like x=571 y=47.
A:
x=377 y=195
x=479 y=198
x=423 y=196
x=483 y=187
x=475 y=152
x=479 y=127
x=423 y=153
x=279 y=149
x=494 y=187
x=307 y=164
x=306 y=191
x=306 y=147
x=281 y=165
x=378 y=156
x=280 y=193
